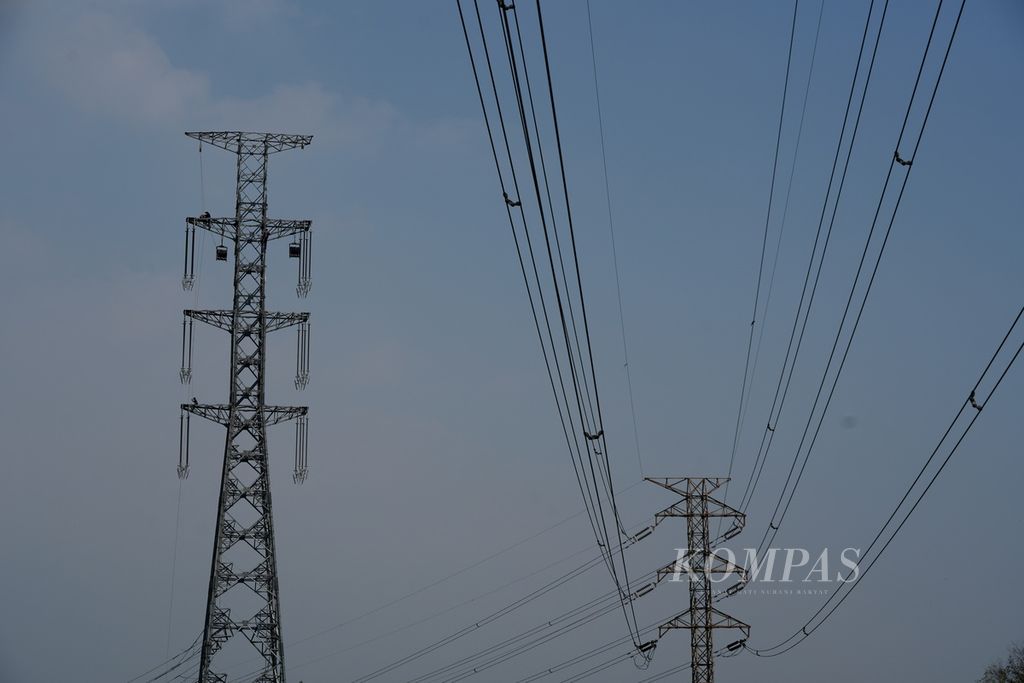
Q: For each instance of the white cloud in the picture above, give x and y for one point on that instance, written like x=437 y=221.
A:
x=103 y=63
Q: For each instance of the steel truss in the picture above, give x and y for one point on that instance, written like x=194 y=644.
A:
x=244 y=596
x=702 y=618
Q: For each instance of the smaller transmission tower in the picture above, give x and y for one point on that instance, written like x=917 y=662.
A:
x=701 y=618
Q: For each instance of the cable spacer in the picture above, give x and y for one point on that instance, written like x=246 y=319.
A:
x=974 y=403
x=510 y=201
x=900 y=160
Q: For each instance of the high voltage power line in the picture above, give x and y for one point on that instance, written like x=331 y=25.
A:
x=776 y=518
x=550 y=266
x=615 y=252
x=578 y=401
x=773 y=415
x=764 y=245
x=970 y=402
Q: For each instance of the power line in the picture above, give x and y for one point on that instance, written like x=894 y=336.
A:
x=764 y=244
x=759 y=461
x=615 y=254
x=448 y=577
x=578 y=364
x=572 y=442
x=782 y=223
x=189 y=653
x=971 y=400
x=493 y=616
x=589 y=426
x=579 y=283
x=776 y=523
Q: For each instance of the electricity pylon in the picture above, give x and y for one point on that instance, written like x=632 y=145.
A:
x=701 y=618
x=243 y=597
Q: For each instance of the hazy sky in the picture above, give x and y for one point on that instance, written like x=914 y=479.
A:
x=434 y=441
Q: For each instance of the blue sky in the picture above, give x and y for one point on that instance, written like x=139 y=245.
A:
x=434 y=442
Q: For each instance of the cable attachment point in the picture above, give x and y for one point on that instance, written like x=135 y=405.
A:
x=644 y=654
x=900 y=160
x=974 y=402
x=736 y=645
x=510 y=202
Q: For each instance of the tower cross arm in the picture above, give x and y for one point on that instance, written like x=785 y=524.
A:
x=715 y=509
x=232 y=140
x=214 y=412
x=273 y=320
x=223 y=226
x=221 y=412
x=688 y=485
x=285 y=227
x=719 y=619
x=277 y=414
x=226 y=226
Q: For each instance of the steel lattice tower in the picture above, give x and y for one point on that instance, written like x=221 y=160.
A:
x=244 y=598
x=698 y=507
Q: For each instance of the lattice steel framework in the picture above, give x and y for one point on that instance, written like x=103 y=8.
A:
x=702 y=618
x=244 y=597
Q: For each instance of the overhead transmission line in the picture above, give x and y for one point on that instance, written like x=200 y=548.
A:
x=615 y=251
x=721 y=653
x=764 y=245
x=571 y=358
x=792 y=353
x=788 y=492
x=638 y=533
x=641 y=586
x=745 y=405
x=171 y=664
x=971 y=402
x=551 y=629
x=561 y=398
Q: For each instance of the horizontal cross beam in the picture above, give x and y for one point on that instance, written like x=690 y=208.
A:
x=719 y=620
x=232 y=140
x=272 y=320
x=221 y=413
x=227 y=228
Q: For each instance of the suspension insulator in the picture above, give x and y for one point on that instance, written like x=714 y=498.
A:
x=305 y=254
x=184 y=427
x=188 y=277
x=301 y=469
x=302 y=356
x=185 y=372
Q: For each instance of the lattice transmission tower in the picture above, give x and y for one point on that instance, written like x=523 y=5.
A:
x=243 y=603
x=702 y=618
